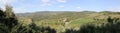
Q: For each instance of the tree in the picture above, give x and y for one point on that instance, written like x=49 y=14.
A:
x=3 y=27
x=10 y=17
x=1 y=13
x=8 y=12
x=109 y=20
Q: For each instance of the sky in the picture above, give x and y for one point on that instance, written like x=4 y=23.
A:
x=22 y=6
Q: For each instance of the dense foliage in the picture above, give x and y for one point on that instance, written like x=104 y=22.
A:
x=10 y=24
x=110 y=27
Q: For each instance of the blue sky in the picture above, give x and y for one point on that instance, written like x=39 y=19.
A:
x=21 y=6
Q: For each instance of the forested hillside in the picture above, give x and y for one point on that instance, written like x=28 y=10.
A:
x=59 y=22
x=55 y=19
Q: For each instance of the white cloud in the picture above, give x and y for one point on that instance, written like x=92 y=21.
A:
x=19 y=10
x=45 y=1
x=61 y=6
x=63 y=1
x=78 y=7
x=114 y=9
x=24 y=8
x=7 y=1
x=4 y=2
x=48 y=4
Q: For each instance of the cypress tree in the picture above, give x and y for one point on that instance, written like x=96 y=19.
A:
x=8 y=12
x=110 y=20
x=1 y=13
x=3 y=27
x=11 y=20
